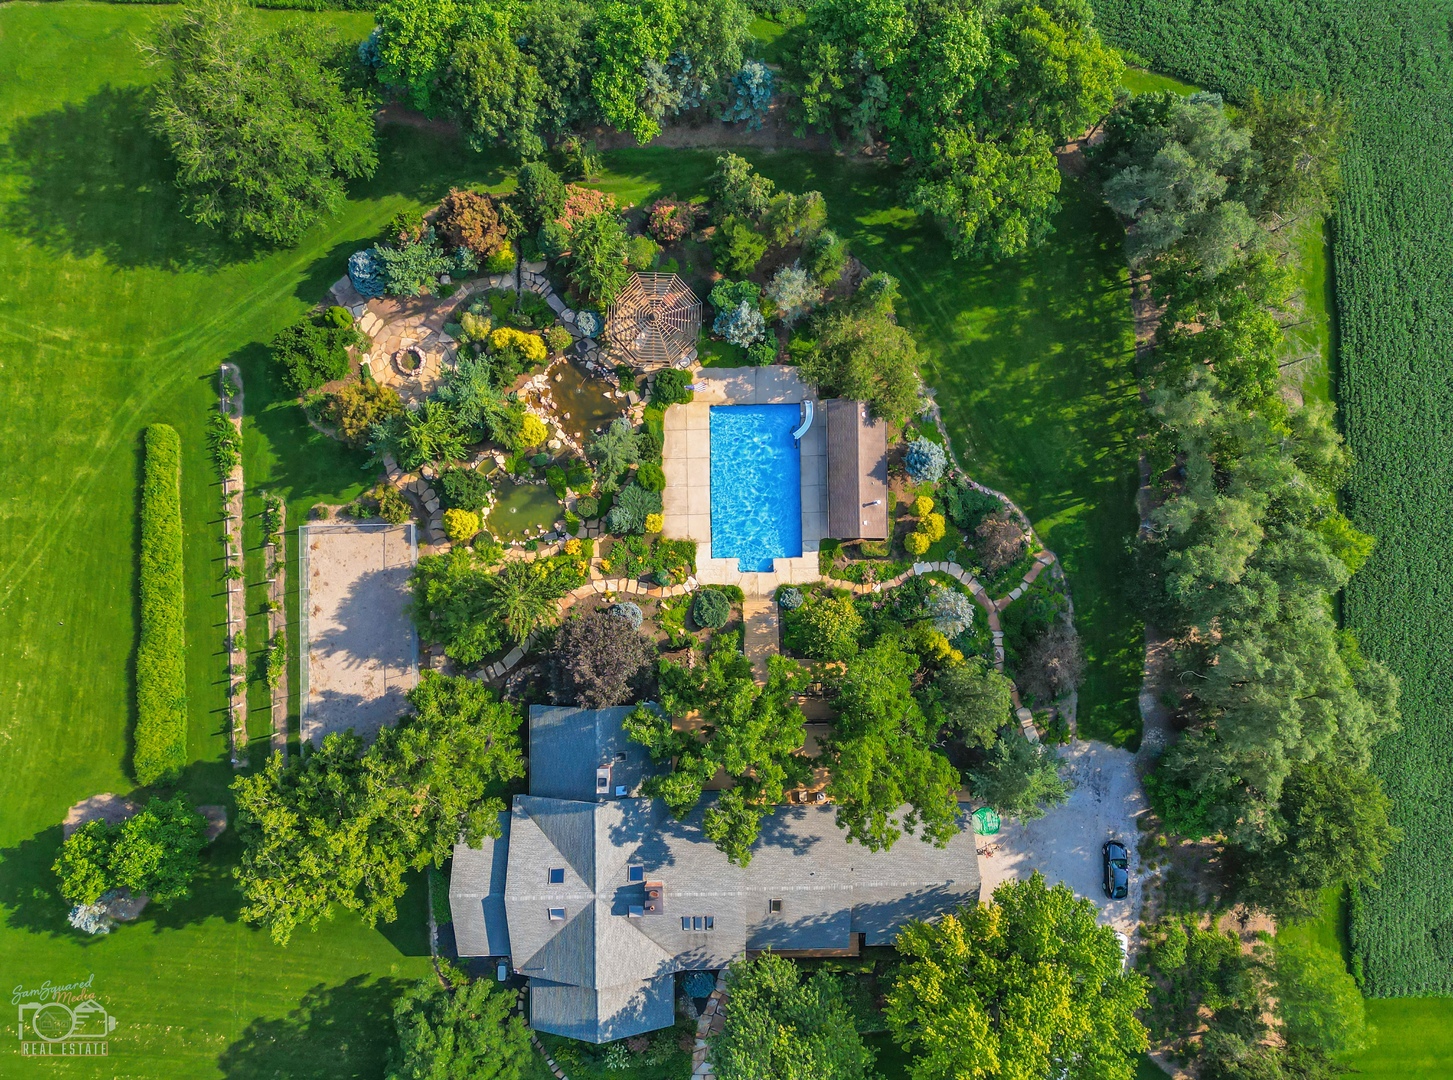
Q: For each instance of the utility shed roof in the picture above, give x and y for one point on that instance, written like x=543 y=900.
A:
x=857 y=471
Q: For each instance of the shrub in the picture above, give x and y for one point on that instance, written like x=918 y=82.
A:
x=671 y=387
x=597 y=656
x=751 y=95
x=743 y=326
x=651 y=477
x=587 y=506
x=225 y=442
x=670 y=219
x=826 y=626
x=366 y=273
x=541 y=193
x=469 y=219
x=474 y=326
x=554 y=240
x=160 y=742
x=738 y=189
x=789 y=598
x=950 y=610
x=530 y=347
x=356 y=407
x=467 y=489
x=392 y=506
x=631 y=508
x=794 y=292
x=460 y=525
x=558 y=339
x=764 y=352
x=1001 y=540
x=340 y=317
x=641 y=252
x=412 y=268
x=925 y=461
x=738 y=247
x=311 y=353
x=711 y=609
x=628 y=611
x=654 y=524
x=589 y=323
x=582 y=203
x=915 y=543
x=502 y=261
x=967 y=506
x=533 y=431
x=827 y=256
x=922 y=506
x=933 y=527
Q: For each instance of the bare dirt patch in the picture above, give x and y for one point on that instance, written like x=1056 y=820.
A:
x=111 y=808
x=359 y=645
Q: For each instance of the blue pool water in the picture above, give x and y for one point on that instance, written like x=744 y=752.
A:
x=756 y=486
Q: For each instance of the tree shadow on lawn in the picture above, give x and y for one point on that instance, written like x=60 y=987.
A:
x=94 y=180
x=336 y=1031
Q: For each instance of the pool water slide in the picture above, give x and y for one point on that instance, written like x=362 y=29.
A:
x=806 y=420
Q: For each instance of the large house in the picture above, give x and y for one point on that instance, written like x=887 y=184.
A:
x=599 y=896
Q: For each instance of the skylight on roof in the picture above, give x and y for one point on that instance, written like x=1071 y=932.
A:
x=635 y=873
x=557 y=875
x=557 y=914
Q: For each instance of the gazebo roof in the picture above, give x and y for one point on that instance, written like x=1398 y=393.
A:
x=654 y=321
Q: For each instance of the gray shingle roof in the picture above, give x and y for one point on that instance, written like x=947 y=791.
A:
x=857 y=471
x=602 y=970
x=477 y=896
x=568 y=745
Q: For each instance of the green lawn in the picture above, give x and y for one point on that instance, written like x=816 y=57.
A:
x=1414 y=1036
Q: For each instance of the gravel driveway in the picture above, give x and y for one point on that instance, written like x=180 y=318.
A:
x=1064 y=845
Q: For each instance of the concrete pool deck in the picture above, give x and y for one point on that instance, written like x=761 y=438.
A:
x=686 y=460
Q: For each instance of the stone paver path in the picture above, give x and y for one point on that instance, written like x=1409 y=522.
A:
x=275 y=557
x=760 y=622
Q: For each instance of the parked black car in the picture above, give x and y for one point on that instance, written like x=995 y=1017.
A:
x=1117 y=869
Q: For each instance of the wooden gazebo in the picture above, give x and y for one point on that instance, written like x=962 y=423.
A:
x=654 y=321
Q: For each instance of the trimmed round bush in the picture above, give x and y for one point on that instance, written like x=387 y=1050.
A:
x=654 y=524
x=628 y=611
x=790 y=599
x=660 y=577
x=641 y=252
x=533 y=432
x=711 y=609
x=587 y=506
x=922 y=506
x=460 y=525
x=340 y=317
x=925 y=461
x=558 y=338
x=933 y=527
x=915 y=543
x=651 y=477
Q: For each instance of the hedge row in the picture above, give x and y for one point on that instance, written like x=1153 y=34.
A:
x=161 y=690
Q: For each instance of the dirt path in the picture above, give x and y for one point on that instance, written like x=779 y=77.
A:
x=230 y=403
x=274 y=554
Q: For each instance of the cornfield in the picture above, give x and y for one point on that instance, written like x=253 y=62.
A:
x=1393 y=261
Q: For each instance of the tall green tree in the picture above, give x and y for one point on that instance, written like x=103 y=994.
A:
x=343 y=824
x=459 y=1030
x=263 y=132
x=882 y=758
x=971 y=699
x=779 y=1025
x=628 y=35
x=862 y=353
x=155 y=851
x=598 y=257
x=1029 y=985
x=1020 y=779
x=753 y=733
x=1299 y=137
x=497 y=92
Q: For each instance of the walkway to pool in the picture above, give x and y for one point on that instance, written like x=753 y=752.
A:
x=686 y=459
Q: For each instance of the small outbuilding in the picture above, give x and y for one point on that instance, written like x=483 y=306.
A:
x=857 y=471
x=654 y=322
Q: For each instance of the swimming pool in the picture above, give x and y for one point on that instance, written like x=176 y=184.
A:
x=756 y=485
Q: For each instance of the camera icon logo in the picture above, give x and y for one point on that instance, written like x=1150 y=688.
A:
x=54 y=1021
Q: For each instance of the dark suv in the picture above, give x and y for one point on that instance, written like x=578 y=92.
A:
x=1117 y=869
